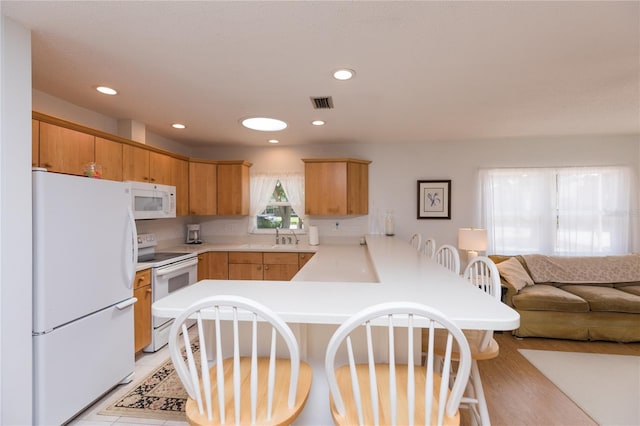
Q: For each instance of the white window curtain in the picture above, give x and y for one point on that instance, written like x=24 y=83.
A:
x=565 y=211
x=262 y=186
x=594 y=211
x=293 y=184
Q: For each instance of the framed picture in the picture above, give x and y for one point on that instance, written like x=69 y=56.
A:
x=434 y=199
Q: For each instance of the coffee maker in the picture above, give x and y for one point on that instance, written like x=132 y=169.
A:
x=193 y=234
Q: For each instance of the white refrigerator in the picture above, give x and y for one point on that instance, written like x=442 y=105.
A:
x=84 y=257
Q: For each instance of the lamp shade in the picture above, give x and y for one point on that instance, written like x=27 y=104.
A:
x=473 y=239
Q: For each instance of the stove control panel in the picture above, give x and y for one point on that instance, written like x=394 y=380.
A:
x=147 y=240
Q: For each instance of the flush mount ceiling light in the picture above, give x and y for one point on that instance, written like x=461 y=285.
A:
x=344 y=74
x=318 y=123
x=178 y=126
x=274 y=141
x=264 y=124
x=106 y=90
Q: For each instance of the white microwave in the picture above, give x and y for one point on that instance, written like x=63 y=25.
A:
x=152 y=201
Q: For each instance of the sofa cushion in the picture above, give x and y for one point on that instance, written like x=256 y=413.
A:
x=633 y=289
x=606 y=299
x=513 y=272
x=548 y=298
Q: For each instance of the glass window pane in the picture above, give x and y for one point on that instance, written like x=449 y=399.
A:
x=279 y=213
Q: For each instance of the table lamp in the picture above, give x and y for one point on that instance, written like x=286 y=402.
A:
x=472 y=240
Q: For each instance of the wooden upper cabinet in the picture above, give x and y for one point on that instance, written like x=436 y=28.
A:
x=135 y=163
x=64 y=150
x=358 y=187
x=109 y=156
x=160 y=168
x=35 y=143
x=336 y=186
x=180 y=179
x=233 y=188
x=202 y=188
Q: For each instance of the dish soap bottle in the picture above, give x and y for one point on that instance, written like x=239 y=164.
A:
x=389 y=223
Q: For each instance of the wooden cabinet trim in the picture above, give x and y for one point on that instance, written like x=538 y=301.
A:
x=335 y=160
x=75 y=126
x=245 y=257
x=271 y=258
x=142 y=279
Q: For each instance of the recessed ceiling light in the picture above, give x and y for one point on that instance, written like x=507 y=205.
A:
x=318 y=123
x=264 y=124
x=344 y=74
x=178 y=126
x=274 y=141
x=106 y=90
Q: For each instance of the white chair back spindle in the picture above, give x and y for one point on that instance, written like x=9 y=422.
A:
x=429 y=247
x=416 y=241
x=407 y=393
x=197 y=381
x=483 y=273
x=447 y=256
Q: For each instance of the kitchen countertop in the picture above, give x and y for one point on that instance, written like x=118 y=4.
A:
x=399 y=272
x=205 y=247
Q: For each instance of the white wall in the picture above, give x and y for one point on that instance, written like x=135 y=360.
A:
x=396 y=168
x=15 y=224
x=56 y=107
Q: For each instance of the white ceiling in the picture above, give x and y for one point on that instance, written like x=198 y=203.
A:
x=425 y=70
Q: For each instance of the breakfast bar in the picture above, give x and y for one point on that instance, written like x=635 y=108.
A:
x=317 y=300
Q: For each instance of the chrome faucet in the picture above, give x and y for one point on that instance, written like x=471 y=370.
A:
x=294 y=236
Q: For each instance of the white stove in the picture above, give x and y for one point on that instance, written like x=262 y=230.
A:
x=169 y=272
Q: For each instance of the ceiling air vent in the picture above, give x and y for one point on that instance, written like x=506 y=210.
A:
x=322 y=103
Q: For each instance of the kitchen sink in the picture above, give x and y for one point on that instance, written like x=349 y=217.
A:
x=270 y=246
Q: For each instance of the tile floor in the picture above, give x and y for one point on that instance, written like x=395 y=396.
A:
x=145 y=364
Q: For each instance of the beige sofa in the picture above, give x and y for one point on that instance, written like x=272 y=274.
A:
x=579 y=298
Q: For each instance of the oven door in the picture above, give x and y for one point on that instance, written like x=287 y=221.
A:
x=170 y=278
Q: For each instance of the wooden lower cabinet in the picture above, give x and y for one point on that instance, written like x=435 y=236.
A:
x=303 y=258
x=279 y=266
x=213 y=265
x=142 y=310
x=250 y=265
x=245 y=265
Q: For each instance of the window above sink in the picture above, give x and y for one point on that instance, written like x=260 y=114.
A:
x=278 y=196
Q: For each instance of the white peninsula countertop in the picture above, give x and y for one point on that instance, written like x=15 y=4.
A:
x=343 y=279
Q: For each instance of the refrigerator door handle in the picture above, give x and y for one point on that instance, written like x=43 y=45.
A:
x=134 y=249
x=125 y=304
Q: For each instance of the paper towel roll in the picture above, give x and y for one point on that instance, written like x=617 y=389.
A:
x=313 y=236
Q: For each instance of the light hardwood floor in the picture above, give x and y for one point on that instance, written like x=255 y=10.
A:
x=518 y=394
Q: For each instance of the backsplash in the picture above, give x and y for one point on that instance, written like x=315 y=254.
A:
x=171 y=232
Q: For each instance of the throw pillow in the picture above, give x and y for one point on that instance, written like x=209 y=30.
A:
x=513 y=272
